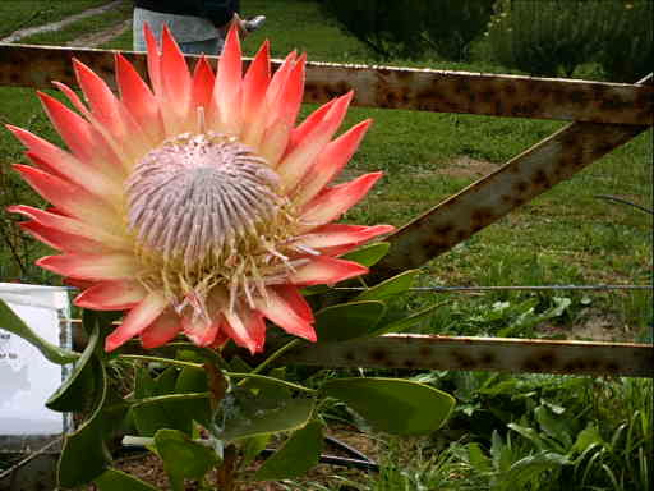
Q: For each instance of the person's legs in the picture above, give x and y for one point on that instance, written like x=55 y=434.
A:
x=140 y=17
x=208 y=47
x=139 y=39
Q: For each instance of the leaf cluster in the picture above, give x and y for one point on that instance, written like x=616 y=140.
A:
x=410 y=28
x=199 y=412
x=541 y=38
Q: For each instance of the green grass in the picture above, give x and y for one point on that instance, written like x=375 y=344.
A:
x=84 y=26
x=19 y=14
x=567 y=235
x=19 y=107
x=517 y=432
x=122 y=42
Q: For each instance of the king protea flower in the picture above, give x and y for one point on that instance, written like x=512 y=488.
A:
x=198 y=207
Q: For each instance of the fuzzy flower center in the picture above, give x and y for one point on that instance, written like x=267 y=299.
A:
x=205 y=212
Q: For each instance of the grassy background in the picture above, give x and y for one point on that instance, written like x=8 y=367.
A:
x=106 y=20
x=565 y=236
x=19 y=14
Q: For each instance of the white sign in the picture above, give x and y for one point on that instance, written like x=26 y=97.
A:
x=27 y=379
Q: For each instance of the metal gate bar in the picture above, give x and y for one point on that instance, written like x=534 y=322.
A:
x=415 y=351
x=526 y=176
x=606 y=116
x=442 y=91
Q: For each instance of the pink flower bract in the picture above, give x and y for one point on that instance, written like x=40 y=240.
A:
x=198 y=207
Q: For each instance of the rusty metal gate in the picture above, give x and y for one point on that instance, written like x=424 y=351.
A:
x=603 y=116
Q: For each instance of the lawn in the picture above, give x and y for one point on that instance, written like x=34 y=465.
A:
x=566 y=236
x=19 y=14
x=88 y=25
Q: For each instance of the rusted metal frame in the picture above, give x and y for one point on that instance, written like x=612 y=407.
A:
x=445 y=353
x=526 y=176
x=36 y=474
x=479 y=354
x=385 y=87
x=418 y=351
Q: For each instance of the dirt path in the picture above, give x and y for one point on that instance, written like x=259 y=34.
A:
x=55 y=26
x=93 y=39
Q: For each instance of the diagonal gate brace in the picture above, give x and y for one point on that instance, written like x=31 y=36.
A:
x=526 y=176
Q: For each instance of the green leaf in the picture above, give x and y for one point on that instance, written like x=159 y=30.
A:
x=191 y=380
x=175 y=411
x=11 y=322
x=396 y=406
x=368 y=255
x=194 y=380
x=267 y=386
x=165 y=382
x=314 y=290
x=299 y=454
x=529 y=469
x=81 y=385
x=497 y=452
x=479 y=461
x=84 y=455
x=114 y=415
x=243 y=414
x=530 y=434
x=391 y=287
x=553 y=426
x=348 y=320
x=160 y=403
x=236 y=364
x=144 y=385
x=407 y=322
x=586 y=437
x=115 y=480
x=278 y=373
x=561 y=304
x=183 y=458
x=189 y=352
x=253 y=446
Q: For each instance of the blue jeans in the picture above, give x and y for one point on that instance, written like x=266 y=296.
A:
x=211 y=47
x=186 y=27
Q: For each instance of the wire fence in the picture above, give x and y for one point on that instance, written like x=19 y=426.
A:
x=618 y=113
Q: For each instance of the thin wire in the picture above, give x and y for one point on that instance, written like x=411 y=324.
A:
x=30 y=457
x=618 y=199
x=455 y=289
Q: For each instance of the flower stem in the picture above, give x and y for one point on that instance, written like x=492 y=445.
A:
x=218 y=385
x=226 y=470
x=268 y=361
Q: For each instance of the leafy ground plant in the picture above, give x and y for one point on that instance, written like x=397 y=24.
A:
x=202 y=412
x=567 y=235
x=247 y=227
x=557 y=432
